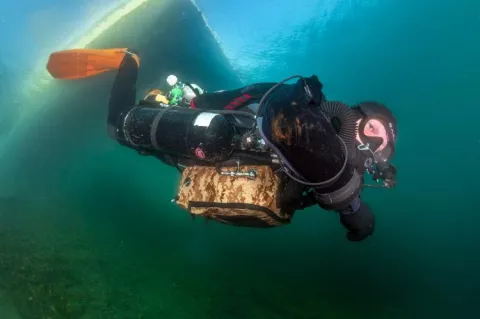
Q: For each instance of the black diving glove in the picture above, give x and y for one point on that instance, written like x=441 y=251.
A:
x=360 y=224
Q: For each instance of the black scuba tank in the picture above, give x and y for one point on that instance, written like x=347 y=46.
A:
x=182 y=131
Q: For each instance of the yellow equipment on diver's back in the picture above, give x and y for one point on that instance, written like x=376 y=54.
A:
x=157 y=96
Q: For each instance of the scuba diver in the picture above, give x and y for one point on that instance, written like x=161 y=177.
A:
x=375 y=131
x=182 y=93
x=255 y=155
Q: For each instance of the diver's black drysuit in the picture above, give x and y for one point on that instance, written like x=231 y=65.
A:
x=355 y=215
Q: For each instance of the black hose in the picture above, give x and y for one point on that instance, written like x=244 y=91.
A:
x=344 y=121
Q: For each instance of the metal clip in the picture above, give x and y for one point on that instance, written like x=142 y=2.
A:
x=251 y=174
x=364 y=147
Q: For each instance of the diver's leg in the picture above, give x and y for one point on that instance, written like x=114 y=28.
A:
x=123 y=94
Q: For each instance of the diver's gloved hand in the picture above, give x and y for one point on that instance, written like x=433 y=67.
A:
x=360 y=223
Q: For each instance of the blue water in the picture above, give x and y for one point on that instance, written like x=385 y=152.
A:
x=421 y=58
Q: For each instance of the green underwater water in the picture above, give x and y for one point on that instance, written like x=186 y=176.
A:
x=87 y=229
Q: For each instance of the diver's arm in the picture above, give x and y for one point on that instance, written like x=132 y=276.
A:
x=358 y=218
x=123 y=94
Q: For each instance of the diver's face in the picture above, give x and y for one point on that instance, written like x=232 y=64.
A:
x=374 y=128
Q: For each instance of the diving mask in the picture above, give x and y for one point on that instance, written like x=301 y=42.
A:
x=378 y=150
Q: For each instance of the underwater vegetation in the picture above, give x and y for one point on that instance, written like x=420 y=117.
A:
x=51 y=274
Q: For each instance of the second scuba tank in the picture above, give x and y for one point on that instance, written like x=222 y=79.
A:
x=183 y=131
